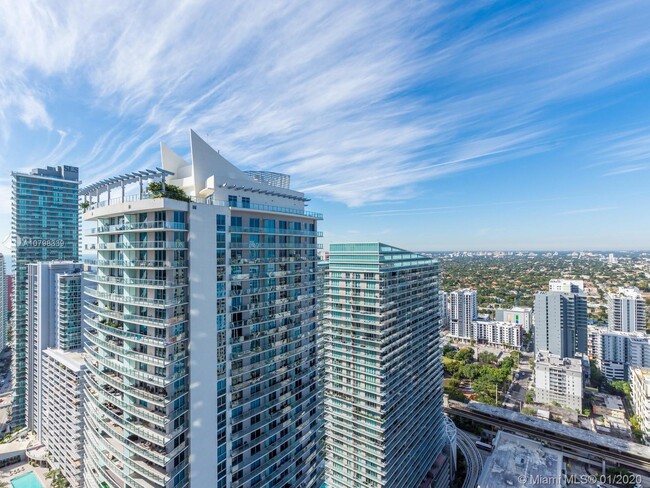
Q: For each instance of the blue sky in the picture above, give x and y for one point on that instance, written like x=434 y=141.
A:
x=428 y=125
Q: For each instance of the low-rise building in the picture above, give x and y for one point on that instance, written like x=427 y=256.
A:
x=640 y=382
x=522 y=462
x=492 y=332
x=559 y=380
x=522 y=316
x=608 y=405
x=504 y=334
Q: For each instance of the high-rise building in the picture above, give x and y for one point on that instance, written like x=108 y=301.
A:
x=463 y=309
x=616 y=352
x=4 y=313
x=516 y=315
x=626 y=311
x=560 y=323
x=566 y=286
x=559 y=380
x=444 y=309
x=10 y=294
x=202 y=329
x=381 y=350
x=55 y=364
x=45 y=227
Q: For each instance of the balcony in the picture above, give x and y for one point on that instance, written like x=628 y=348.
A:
x=138 y=226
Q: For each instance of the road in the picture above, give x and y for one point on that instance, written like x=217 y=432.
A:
x=521 y=383
x=472 y=458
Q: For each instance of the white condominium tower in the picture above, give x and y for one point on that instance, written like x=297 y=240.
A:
x=54 y=363
x=381 y=349
x=4 y=323
x=202 y=346
x=463 y=309
x=626 y=311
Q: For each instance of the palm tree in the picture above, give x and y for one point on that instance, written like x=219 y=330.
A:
x=58 y=480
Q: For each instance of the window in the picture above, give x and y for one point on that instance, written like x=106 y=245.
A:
x=221 y=223
x=232 y=200
x=245 y=202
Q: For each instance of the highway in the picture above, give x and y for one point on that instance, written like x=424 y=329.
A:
x=472 y=458
x=554 y=439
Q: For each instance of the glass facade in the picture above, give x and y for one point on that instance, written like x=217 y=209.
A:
x=273 y=430
x=383 y=373
x=45 y=227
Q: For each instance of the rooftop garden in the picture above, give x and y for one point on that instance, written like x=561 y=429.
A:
x=155 y=190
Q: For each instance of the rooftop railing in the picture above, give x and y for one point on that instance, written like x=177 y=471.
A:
x=208 y=201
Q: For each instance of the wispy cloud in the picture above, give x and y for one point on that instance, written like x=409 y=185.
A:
x=451 y=208
x=624 y=152
x=588 y=210
x=360 y=101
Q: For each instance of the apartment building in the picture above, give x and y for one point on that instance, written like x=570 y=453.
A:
x=45 y=227
x=463 y=309
x=383 y=375
x=626 y=311
x=559 y=380
x=202 y=328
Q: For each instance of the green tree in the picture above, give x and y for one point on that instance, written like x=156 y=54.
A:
x=155 y=189
x=596 y=377
x=449 y=351
x=451 y=366
x=455 y=393
x=486 y=357
x=508 y=363
x=621 y=388
x=57 y=479
x=465 y=355
x=530 y=397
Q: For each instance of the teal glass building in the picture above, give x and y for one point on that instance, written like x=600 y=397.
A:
x=45 y=227
x=383 y=373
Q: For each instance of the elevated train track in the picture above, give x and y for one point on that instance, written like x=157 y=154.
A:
x=568 y=439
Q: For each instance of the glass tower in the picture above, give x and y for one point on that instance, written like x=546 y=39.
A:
x=45 y=227
x=383 y=372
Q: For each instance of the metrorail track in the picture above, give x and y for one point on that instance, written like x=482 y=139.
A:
x=554 y=438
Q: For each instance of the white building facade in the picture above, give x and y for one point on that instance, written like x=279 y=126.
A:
x=559 y=380
x=616 y=352
x=4 y=322
x=626 y=311
x=202 y=335
x=463 y=309
x=566 y=286
x=495 y=333
x=55 y=364
x=63 y=373
x=522 y=316
x=640 y=386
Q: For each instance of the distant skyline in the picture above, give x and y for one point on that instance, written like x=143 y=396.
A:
x=431 y=125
